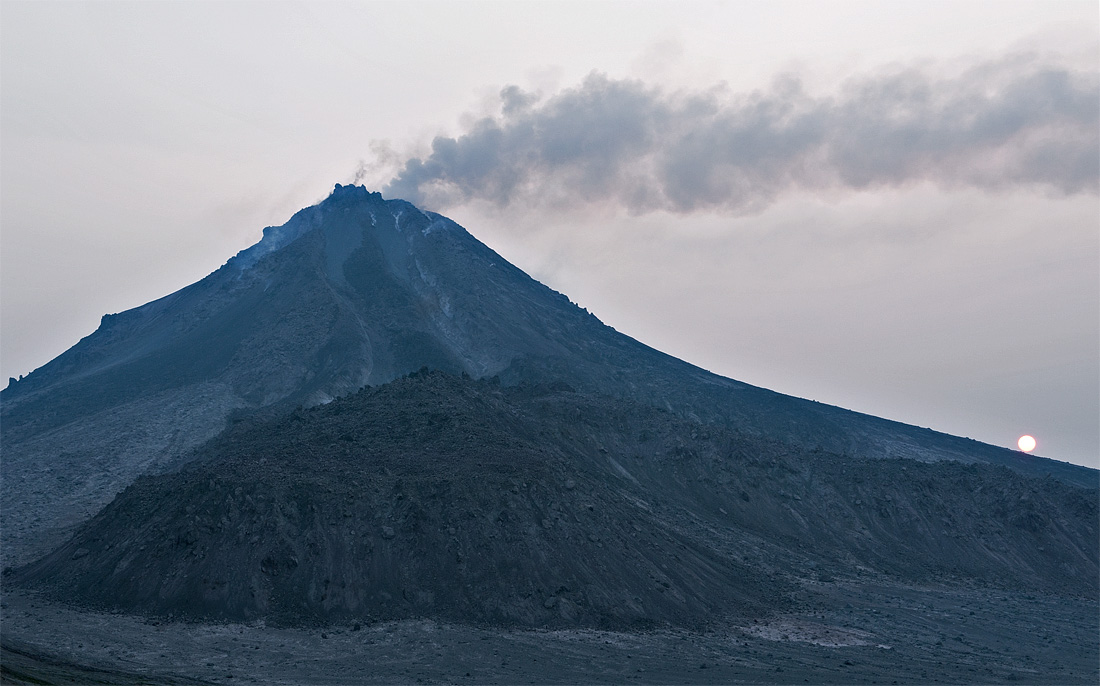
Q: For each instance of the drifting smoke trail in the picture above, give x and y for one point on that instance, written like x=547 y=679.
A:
x=1016 y=122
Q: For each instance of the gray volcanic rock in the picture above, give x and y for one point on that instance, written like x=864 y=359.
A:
x=459 y=500
x=431 y=496
x=360 y=290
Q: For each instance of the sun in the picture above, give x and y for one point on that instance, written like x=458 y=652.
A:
x=1026 y=443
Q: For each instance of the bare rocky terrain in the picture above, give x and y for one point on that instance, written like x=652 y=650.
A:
x=247 y=481
x=853 y=632
x=438 y=527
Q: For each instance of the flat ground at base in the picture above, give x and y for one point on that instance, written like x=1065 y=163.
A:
x=843 y=633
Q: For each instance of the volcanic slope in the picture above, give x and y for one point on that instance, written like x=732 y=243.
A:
x=538 y=506
x=359 y=290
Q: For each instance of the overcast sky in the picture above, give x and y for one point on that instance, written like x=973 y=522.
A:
x=887 y=206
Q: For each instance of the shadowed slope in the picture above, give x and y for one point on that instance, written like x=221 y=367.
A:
x=440 y=497
x=427 y=497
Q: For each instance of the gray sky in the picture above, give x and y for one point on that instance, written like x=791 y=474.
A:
x=888 y=206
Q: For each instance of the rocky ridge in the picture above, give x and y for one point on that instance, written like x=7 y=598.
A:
x=442 y=497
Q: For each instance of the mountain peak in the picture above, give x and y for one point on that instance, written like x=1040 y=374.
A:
x=352 y=191
x=277 y=237
x=370 y=208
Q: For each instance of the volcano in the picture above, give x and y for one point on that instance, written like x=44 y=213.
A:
x=359 y=291
x=369 y=415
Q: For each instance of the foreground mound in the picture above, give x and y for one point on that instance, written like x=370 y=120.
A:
x=430 y=496
x=436 y=496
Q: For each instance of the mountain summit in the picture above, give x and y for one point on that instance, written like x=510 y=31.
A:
x=359 y=291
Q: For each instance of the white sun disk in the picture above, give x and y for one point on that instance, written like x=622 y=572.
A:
x=1026 y=443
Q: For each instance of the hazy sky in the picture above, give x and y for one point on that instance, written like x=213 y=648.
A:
x=887 y=206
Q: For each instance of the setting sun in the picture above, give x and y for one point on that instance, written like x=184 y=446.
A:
x=1026 y=443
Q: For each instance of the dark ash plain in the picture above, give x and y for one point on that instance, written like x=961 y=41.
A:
x=841 y=633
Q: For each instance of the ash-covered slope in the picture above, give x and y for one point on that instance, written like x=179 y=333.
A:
x=461 y=500
x=360 y=290
x=431 y=496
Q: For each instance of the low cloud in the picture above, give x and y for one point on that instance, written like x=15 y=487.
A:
x=1001 y=125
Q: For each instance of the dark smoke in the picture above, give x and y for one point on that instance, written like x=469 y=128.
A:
x=1017 y=122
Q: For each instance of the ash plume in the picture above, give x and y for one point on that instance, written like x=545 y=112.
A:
x=1012 y=123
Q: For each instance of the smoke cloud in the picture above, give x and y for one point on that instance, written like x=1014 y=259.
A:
x=1016 y=122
